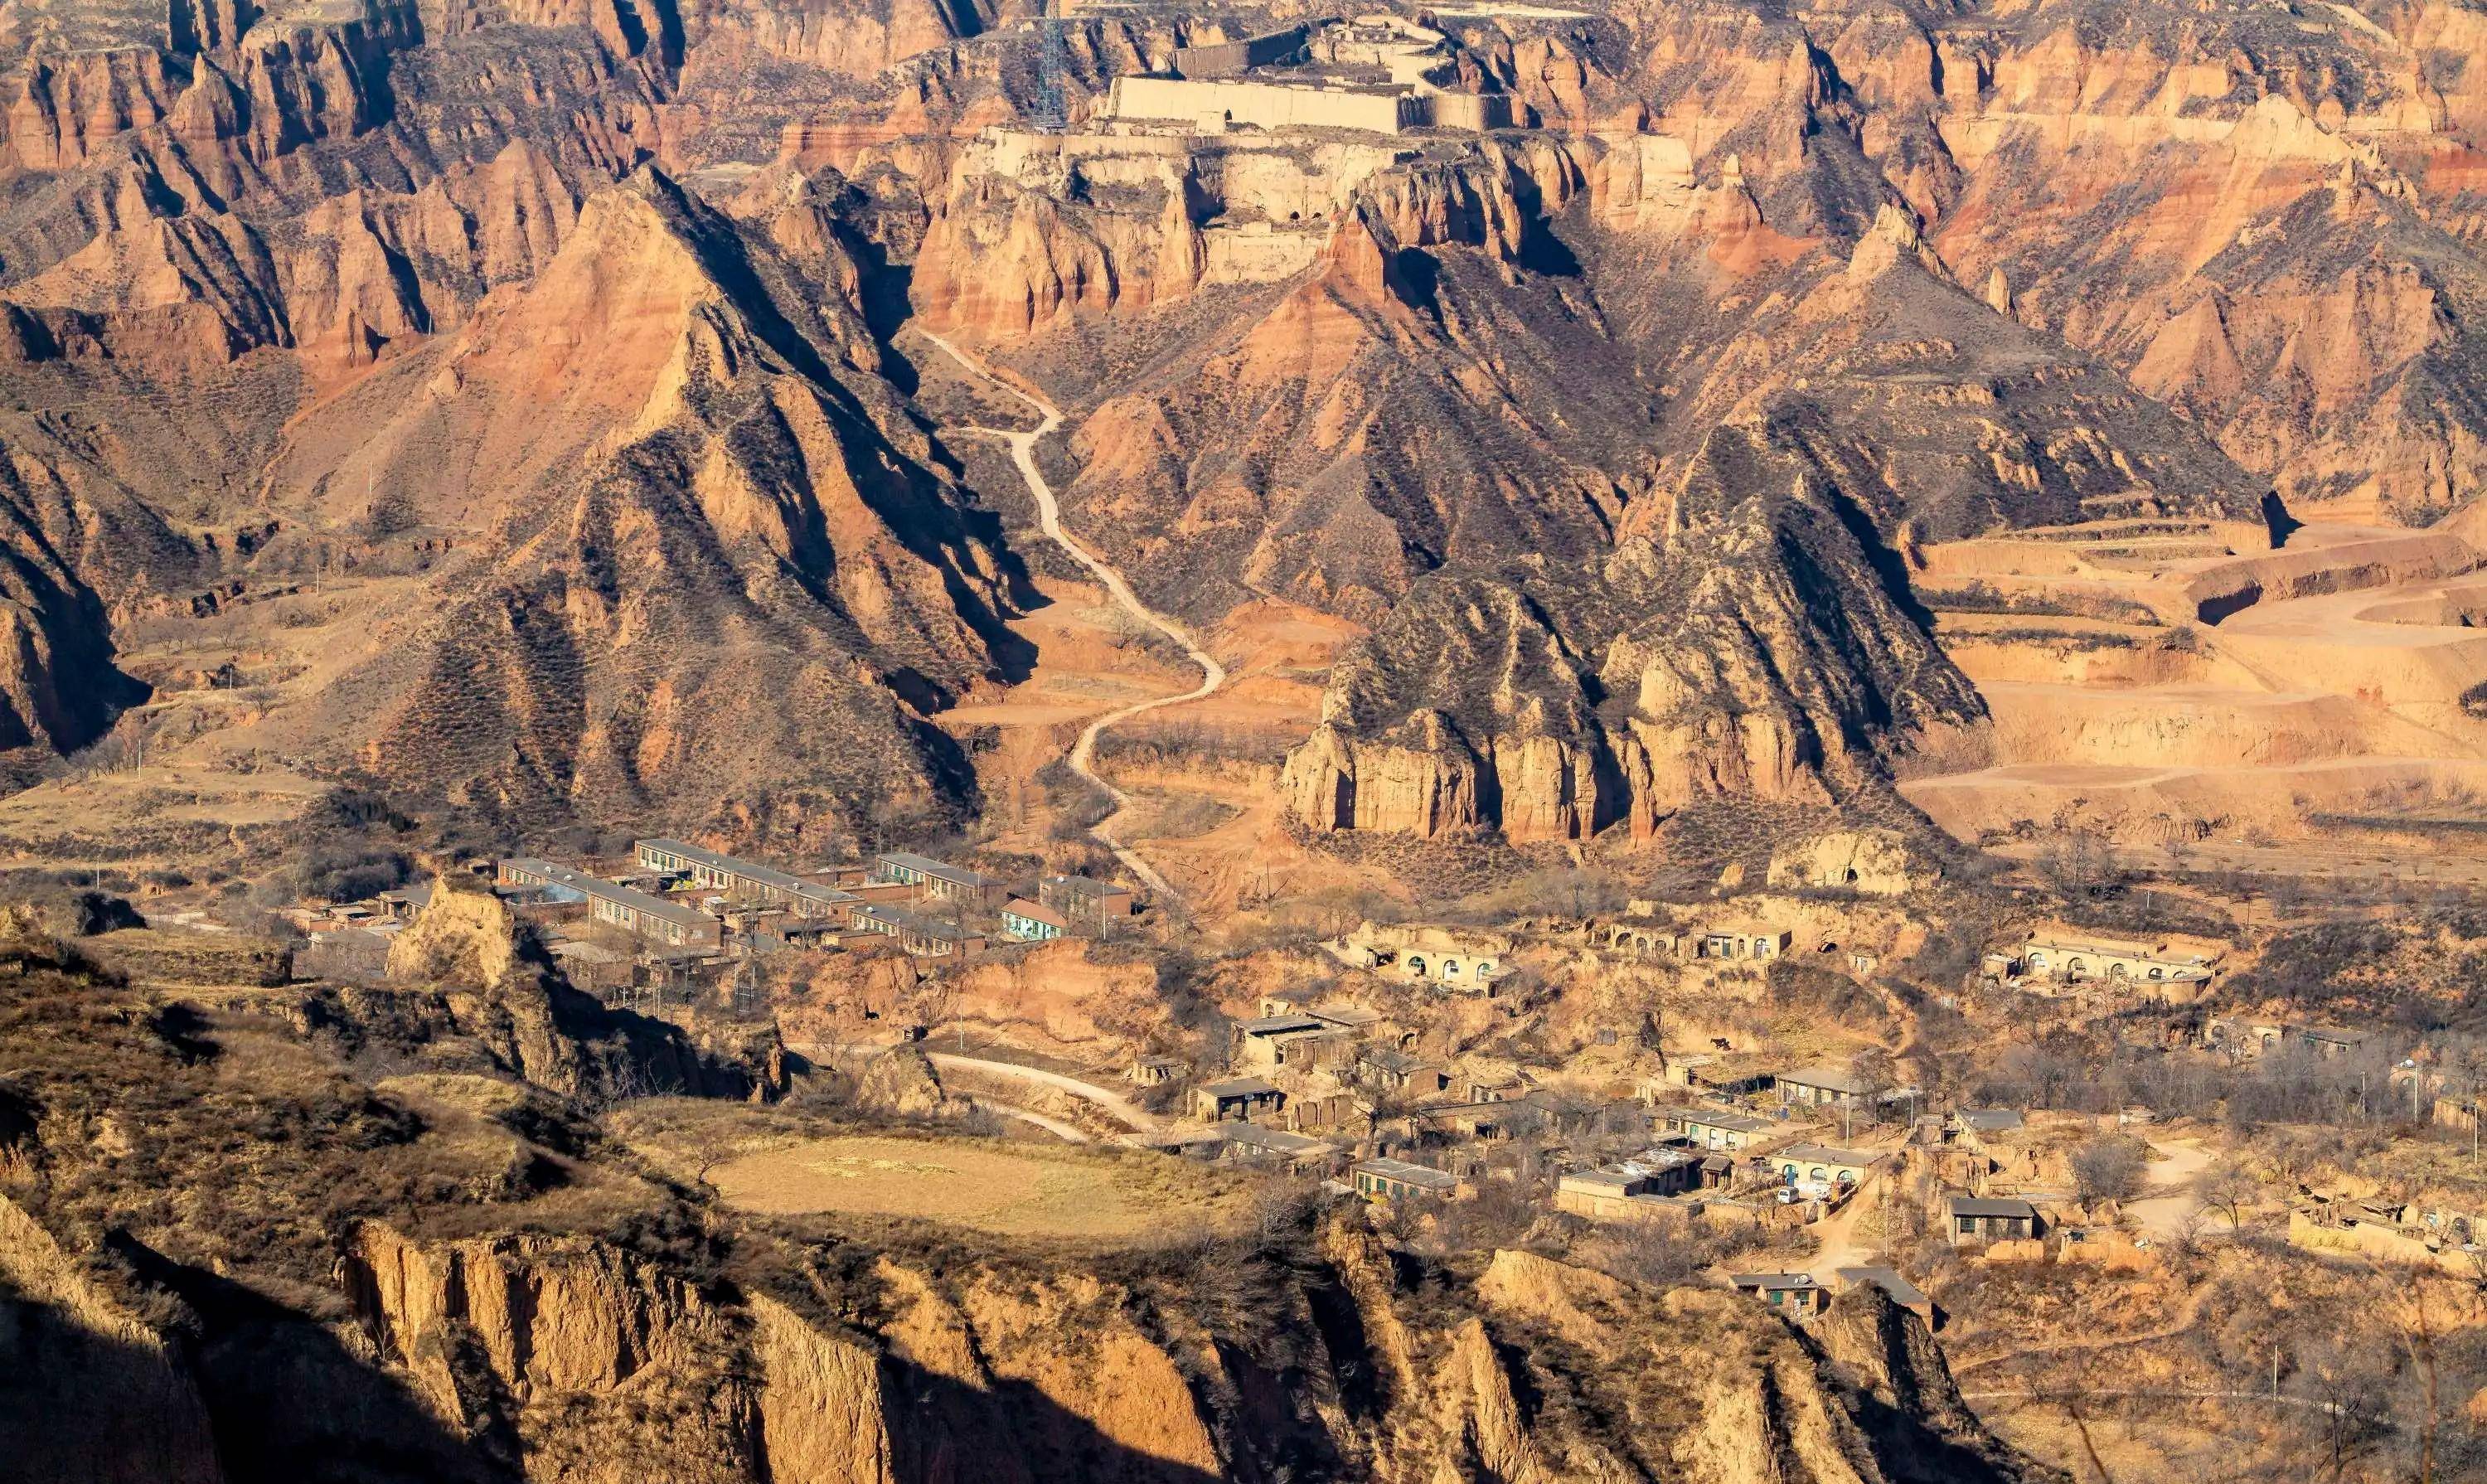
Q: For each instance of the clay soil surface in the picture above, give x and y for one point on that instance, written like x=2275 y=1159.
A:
x=1008 y=1190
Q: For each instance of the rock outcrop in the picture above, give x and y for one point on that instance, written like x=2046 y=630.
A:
x=479 y=975
x=281 y=288
x=1752 y=649
x=459 y=1278
x=1876 y=862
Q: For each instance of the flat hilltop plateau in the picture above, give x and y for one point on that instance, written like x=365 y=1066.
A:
x=1631 y=739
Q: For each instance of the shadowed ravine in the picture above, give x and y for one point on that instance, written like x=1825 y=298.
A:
x=1083 y=753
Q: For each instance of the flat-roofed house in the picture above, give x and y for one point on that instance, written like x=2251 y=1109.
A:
x=1820 y=1168
x=626 y=907
x=1794 y=1295
x=1637 y=1189
x=1975 y=1128
x=940 y=880
x=2332 y=1041
x=920 y=934
x=406 y=902
x=1266 y=1043
x=1977 y=1219
x=1240 y=1098
x=744 y=880
x=1718 y=1129
x=1386 y=1179
x=1386 y=1070
x=1358 y=1020
x=1246 y=1140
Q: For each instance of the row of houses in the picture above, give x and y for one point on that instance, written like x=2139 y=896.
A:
x=685 y=896
x=639 y=913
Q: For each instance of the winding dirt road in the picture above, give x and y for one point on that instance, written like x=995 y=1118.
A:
x=1083 y=753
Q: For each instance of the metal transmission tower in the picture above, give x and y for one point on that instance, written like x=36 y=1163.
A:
x=1051 y=115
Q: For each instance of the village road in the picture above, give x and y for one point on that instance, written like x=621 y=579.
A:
x=1835 y=1242
x=1115 y=1106
x=2177 y=1179
x=1063 y=1131
x=1123 y=1109
x=1083 y=753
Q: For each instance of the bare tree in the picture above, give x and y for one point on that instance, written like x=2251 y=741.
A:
x=2107 y=1168
x=2228 y=1191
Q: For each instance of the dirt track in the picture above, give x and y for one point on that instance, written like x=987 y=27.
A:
x=1083 y=752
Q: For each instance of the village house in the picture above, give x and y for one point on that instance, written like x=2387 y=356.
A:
x=2385 y=1231
x=626 y=907
x=920 y=934
x=1742 y=943
x=1154 y=1071
x=1426 y=955
x=1717 y=1075
x=2071 y=955
x=1794 y=1295
x=1824 y=1087
x=1387 y=1179
x=742 y=881
x=1819 y=1170
x=1738 y=943
x=1301 y=1042
x=938 y=879
x=2330 y=1042
x=1493 y=1081
x=1083 y=905
x=1975 y=1128
x=1719 y=1128
x=1469 y=1121
x=1028 y=922
x=1322 y=1102
x=1641 y=1188
x=601 y=971
x=1389 y=1071
x=1250 y=1141
x=406 y=902
x=1241 y=1097
x=1976 y=1220
x=1354 y=1020
x=1566 y=1115
x=2250 y=1039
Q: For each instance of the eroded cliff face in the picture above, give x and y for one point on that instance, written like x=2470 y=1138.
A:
x=1751 y=648
x=1967 y=270
x=1621 y=550
x=576 y=1353
x=232 y=1251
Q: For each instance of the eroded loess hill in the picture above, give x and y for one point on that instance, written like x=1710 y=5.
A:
x=547 y=367
x=230 y=1255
